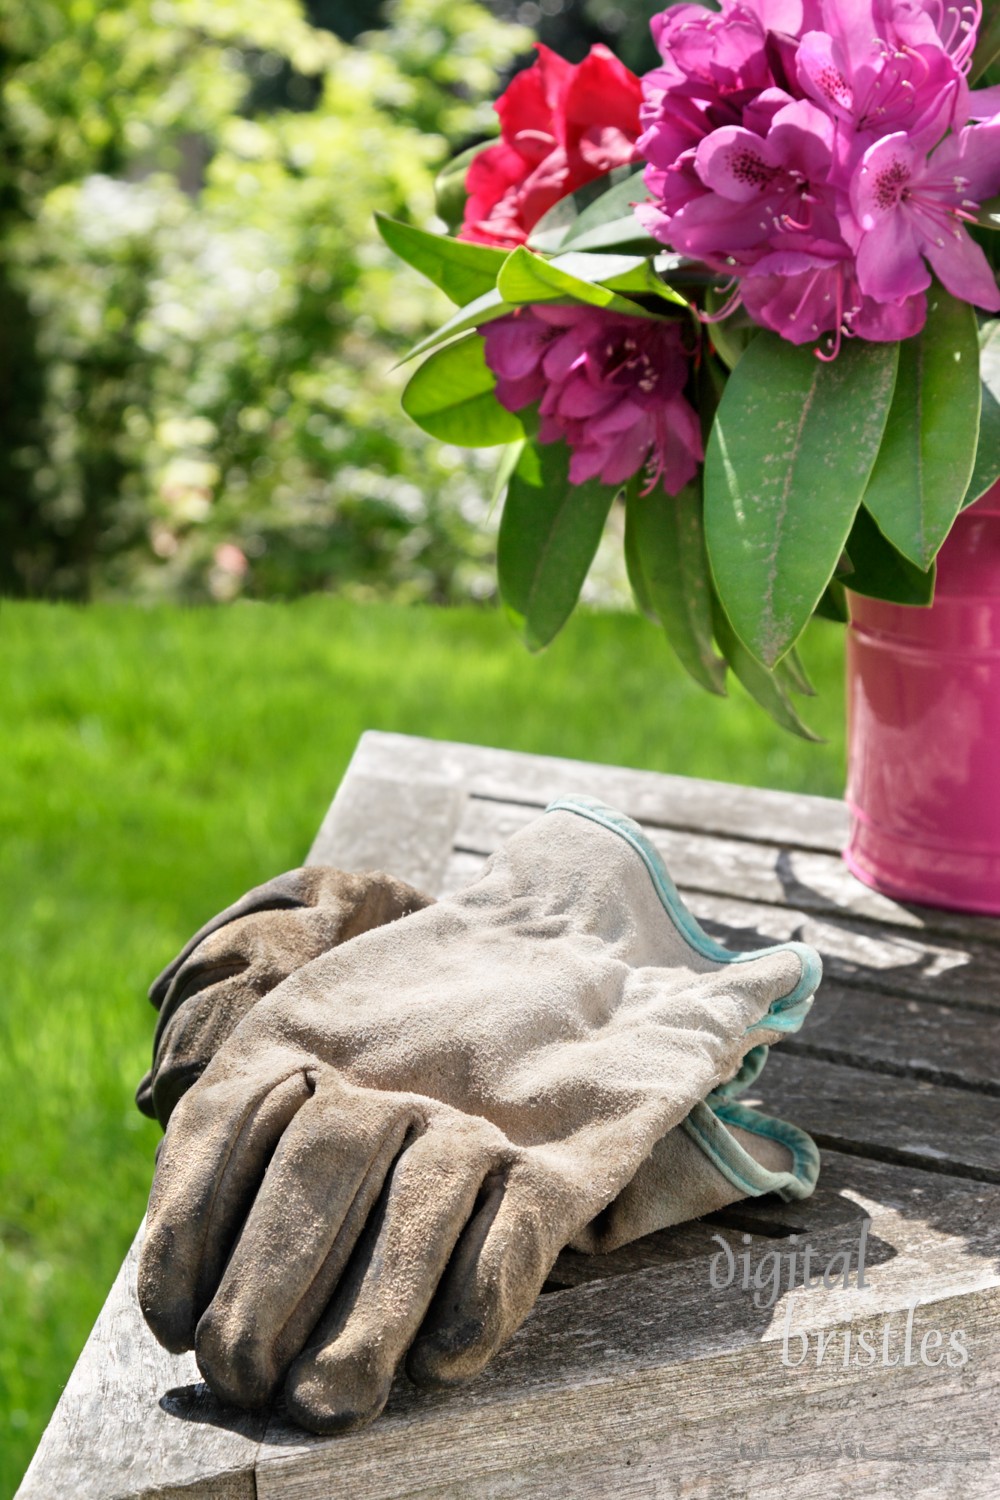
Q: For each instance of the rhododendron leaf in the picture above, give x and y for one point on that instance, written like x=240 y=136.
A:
x=633 y=560
x=526 y=278
x=449 y=185
x=549 y=533
x=594 y=204
x=792 y=447
x=762 y=684
x=483 y=310
x=792 y=675
x=634 y=274
x=625 y=233
x=986 y=469
x=929 y=448
x=880 y=571
x=988 y=44
x=832 y=603
x=988 y=216
x=509 y=460
x=730 y=336
x=609 y=223
x=452 y=396
x=462 y=270
x=665 y=545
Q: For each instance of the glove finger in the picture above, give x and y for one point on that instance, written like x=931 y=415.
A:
x=495 y=1275
x=321 y=1186
x=189 y=1035
x=342 y=1380
x=213 y=1158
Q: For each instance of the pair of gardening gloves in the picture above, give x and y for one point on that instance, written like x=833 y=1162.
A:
x=386 y=1115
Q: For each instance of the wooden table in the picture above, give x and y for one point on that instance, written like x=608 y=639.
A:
x=634 y=1378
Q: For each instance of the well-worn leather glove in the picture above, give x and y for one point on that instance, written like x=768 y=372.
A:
x=244 y=953
x=391 y=1148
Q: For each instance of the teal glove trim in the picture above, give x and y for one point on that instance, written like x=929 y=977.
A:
x=787 y=1013
x=706 y=1125
x=750 y=1070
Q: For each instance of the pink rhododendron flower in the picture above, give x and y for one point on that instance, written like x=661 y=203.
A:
x=910 y=210
x=609 y=384
x=561 y=125
x=818 y=152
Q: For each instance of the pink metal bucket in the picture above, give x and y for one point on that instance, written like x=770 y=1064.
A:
x=923 y=710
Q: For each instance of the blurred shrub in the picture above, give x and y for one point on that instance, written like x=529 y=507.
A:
x=202 y=323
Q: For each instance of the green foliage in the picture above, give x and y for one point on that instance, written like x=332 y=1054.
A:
x=791 y=451
x=451 y=396
x=668 y=569
x=205 y=315
x=928 y=450
x=549 y=534
x=986 y=469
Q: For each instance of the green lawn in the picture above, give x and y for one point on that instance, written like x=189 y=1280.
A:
x=157 y=763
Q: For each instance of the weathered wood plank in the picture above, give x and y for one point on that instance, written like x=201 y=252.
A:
x=836 y=1446
x=793 y=819
x=137 y=1422
x=944 y=1044
x=651 y=1357
x=892 y=1119
x=887 y=960
x=402 y=820
x=756 y=871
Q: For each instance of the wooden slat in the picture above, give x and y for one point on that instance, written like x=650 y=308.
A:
x=401 y=819
x=879 y=1437
x=892 y=1119
x=789 y=818
x=136 y=1421
x=909 y=1038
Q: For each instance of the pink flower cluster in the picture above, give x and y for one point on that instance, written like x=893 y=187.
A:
x=819 y=153
x=609 y=384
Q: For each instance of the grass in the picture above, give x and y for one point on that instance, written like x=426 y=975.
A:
x=155 y=764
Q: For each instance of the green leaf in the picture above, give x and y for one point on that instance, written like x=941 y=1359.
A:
x=666 y=545
x=483 y=310
x=449 y=185
x=988 y=44
x=762 y=685
x=463 y=271
x=986 y=469
x=792 y=675
x=621 y=234
x=509 y=460
x=832 y=603
x=565 y=279
x=731 y=335
x=452 y=397
x=925 y=462
x=988 y=216
x=791 y=450
x=593 y=280
x=879 y=571
x=549 y=533
x=561 y=220
x=610 y=220
x=634 y=563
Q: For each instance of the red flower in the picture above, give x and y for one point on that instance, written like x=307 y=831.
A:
x=561 y=125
